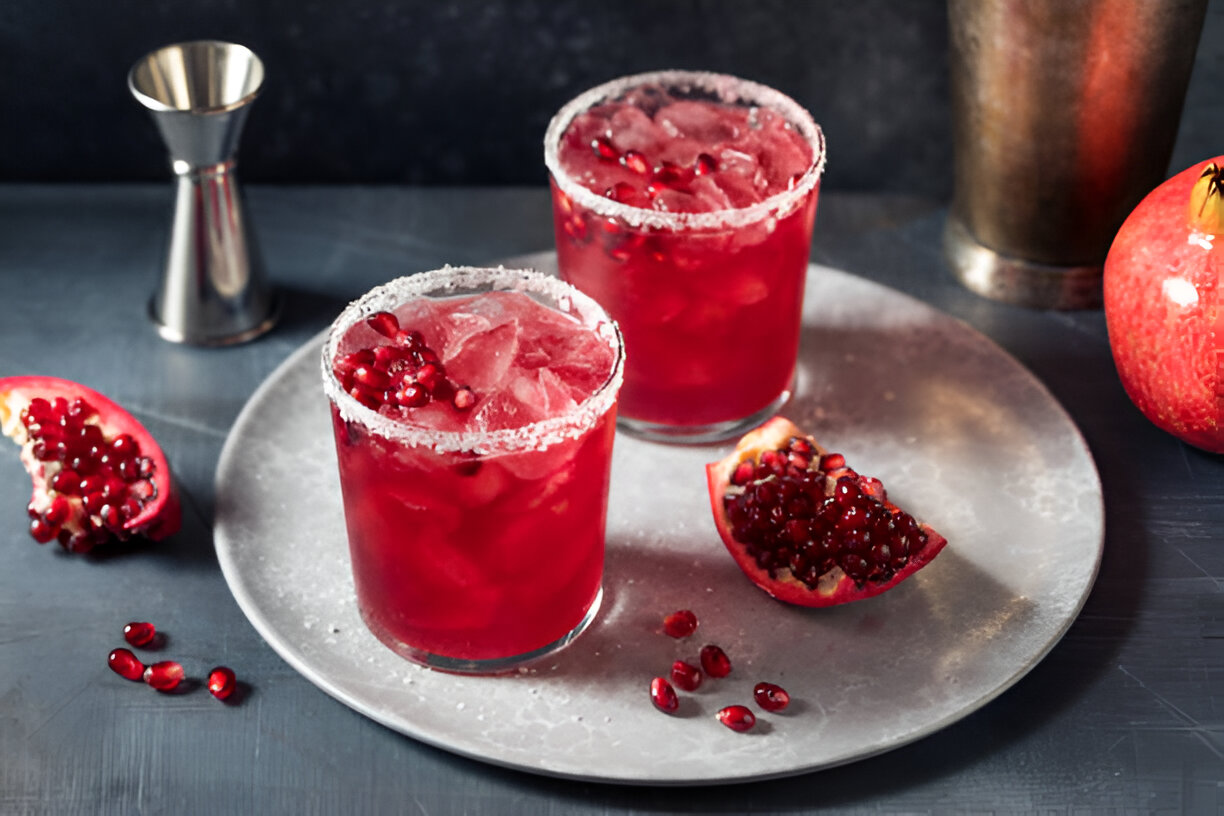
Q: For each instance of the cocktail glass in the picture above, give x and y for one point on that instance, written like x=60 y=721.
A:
x=475 y=551
x=709 y=302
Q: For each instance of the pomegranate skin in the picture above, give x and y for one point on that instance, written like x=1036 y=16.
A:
x=1162 y=300
x=160 y=517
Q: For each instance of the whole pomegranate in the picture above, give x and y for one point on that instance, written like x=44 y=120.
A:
x=1163 y=305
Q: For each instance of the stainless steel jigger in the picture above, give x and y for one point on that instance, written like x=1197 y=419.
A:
x=213 y=290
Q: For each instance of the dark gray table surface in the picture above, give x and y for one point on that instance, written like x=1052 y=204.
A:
x=1125 y=715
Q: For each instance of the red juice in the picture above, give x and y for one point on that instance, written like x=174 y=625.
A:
x=476 y=515
x=684 y=203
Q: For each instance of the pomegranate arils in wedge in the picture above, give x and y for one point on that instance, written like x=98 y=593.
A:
x=807 y=528
x=139 y=633
x=125 y=664
x=686 y=675
x=164 y=675
x=770 y=696
x=98 y=475
x=680 y=624
x=222 y=682
x=715 y=661
x=737 y=717
x=663 y=695
x=404 y=373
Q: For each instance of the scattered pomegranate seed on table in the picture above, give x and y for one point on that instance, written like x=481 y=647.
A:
x=222 y=682
x=164 y=675
x=125 y=664
x=686 y=675
x=139 y=633
x=663 y=695
x=737 y=718
x=770 y=696
x=715 y=661
x=680 y=624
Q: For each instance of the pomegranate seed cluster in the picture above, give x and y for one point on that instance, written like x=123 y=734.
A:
x=96 y=484
x=404 y=372
x=163 y=675
x=714 y=663
x=811 y=516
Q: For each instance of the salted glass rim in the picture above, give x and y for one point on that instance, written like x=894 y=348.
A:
x=457 y=281
x=725 y=88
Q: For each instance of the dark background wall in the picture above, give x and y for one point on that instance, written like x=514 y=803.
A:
x=459 y=92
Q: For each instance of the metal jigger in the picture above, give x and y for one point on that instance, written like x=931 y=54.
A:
x=213 y=290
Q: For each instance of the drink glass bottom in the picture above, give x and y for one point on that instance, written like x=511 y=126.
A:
x=700 y=434
x=497 y=665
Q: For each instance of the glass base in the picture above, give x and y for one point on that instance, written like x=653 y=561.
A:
x=700 y=434
x=497 y=665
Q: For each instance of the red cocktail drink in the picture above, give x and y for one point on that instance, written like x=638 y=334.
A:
x=684 y=203
x=474 y=412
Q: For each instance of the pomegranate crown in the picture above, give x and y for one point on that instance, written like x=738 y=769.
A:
x=1206 y=209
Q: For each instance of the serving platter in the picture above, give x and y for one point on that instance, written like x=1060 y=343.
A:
x=961 y=433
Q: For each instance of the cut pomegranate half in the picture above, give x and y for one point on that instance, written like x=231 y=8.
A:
x=97 y=474
x=808 y=529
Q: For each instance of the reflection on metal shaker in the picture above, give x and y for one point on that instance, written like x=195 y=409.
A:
x=1064 y=116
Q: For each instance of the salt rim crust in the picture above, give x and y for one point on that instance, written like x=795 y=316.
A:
x=726 y=88
x=464 y=280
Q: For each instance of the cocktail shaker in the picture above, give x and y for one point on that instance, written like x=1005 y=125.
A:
x=213 y=289
x=1064 y=116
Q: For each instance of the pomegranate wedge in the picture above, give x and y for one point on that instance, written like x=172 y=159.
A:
x=805 y=527
x=97 y=474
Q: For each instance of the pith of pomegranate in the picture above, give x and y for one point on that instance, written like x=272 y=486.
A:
x=97 y=474
x=808 y=529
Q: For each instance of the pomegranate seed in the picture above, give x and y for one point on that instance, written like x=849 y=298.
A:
x=164 y=675
x=770 y=696
x=429 y=375
x=125 y=664
x=663 y=695
x=680 y=624
x=576 y=228
x=603 y=148
x=464 y=398
x=139 y=633
x=686 y=675
x=412 y=396
x=221 y=682
x=743 y=473
x=410 y=339
x=673 y=175
x=384 y=323
x=125 y=446
x=704 y=164
x=715 y=661
x=58 y=511
x=832 y=461
x=636 y=162
x=737 y=718
x=67 y=482
x=41 y=531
